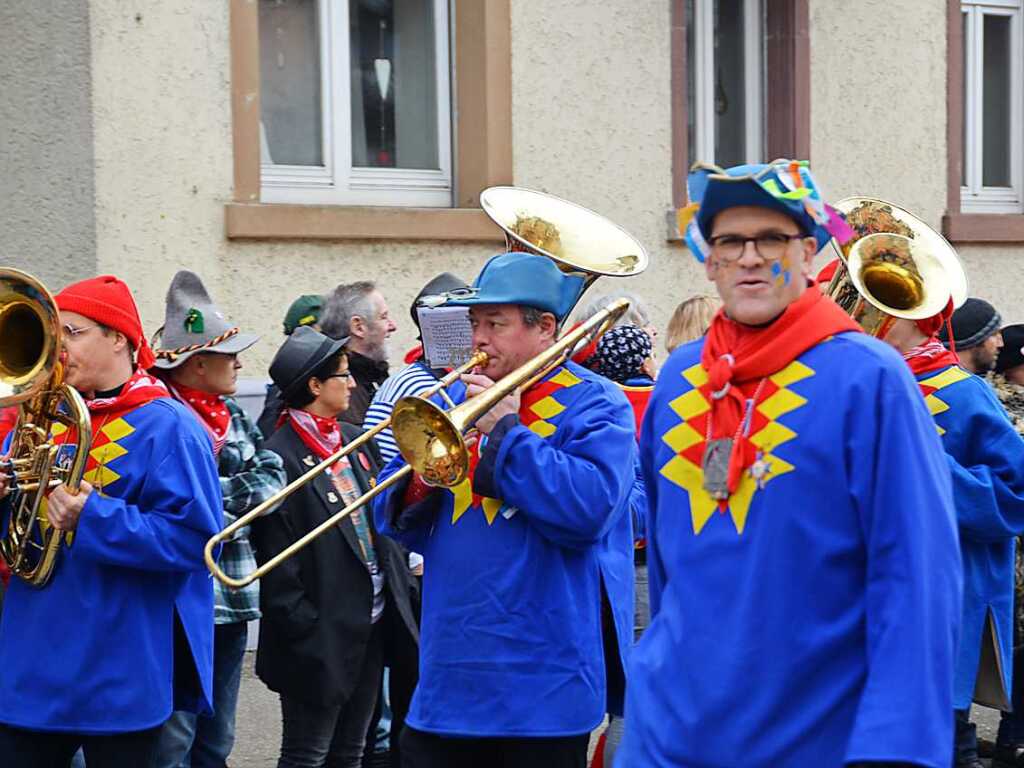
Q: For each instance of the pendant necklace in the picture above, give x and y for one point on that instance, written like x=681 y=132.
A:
x=718 y=451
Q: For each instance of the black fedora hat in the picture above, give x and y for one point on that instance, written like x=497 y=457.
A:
x=301 y=354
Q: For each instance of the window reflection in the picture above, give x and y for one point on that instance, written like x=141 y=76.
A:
x=394 y=84
x=290 y=82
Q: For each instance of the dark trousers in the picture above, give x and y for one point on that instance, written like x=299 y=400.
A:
x=965 y=737
x=1011 y=724
x=38 y=749
x=401 y=656
x=427 y=750
x=315 y=736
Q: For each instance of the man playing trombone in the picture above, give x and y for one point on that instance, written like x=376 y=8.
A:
x=511 y=664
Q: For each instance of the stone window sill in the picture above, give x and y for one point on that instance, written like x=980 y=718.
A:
x=983 y=227
x=261 y=221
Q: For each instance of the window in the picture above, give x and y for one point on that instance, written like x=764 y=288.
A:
x=355 y=103
x=725 y=65
x=993 y=97
x=740 y=85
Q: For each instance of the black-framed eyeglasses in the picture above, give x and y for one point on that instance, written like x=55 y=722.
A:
x=342 y=375
x=771 y=246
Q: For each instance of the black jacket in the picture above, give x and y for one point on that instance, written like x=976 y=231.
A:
x=369 y=375
x=316 y=605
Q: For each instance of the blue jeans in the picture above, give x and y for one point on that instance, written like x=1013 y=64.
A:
x=191 y=741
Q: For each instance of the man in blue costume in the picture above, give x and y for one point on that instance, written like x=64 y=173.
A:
x=986 y=459
x=123 y=632
x=512 y=668
x=802 y=551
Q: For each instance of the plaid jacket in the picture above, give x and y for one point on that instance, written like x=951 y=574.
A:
x=249 y=475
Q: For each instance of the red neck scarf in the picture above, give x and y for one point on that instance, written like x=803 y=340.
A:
x=930 y=356
x=322 y=436
x=735 y=355
x=209 y=409
x=140 y=389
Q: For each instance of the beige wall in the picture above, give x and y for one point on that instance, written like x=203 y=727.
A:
x=46 y=178
x=591 y=123
x=878 y=122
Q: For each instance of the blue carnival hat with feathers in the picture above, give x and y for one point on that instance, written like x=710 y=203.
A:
x=786 y=186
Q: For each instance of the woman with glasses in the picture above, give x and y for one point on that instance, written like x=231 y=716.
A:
x=332 y=612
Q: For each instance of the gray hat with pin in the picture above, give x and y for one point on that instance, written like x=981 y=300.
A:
x=194 y=325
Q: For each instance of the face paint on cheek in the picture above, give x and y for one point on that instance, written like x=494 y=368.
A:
x=781 y=272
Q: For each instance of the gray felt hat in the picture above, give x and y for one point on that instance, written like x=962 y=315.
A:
x=193 y=325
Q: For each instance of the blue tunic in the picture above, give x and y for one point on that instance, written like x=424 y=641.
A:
x=511 y=629
x=814 y=622
x=986 y=459
x=92 y=651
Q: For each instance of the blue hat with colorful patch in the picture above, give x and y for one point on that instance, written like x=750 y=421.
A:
x=525 y=279
x=786 y=186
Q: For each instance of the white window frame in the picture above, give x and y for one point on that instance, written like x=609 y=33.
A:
x=337 y=182
x=974 y=196
x=704 y=79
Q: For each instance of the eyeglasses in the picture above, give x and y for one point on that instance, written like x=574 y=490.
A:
x=770 y=246
x=71 y=332
x=343 y=375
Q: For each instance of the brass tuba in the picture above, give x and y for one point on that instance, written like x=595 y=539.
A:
x=896 y=267
x=580 y=241
x=32 y=377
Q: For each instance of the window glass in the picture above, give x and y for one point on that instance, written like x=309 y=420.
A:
x=964 y=32
x=730 y=84
x=996 y=101
x=394 y=84
x=290 y=102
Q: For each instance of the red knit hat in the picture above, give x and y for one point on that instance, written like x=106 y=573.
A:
x=107 y=300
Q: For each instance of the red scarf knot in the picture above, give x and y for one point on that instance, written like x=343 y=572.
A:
x=321 y=435
x=738 y=356
x=209 y=409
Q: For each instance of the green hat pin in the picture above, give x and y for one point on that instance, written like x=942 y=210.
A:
x=194 y=321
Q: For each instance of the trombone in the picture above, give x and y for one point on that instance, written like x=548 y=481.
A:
x=432 y=440
x=477 y=359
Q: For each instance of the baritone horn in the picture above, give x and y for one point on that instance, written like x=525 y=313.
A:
x=896 y=267
x=32 y=378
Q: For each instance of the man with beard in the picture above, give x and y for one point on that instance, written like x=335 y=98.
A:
x=358 y=311
x=977 y=336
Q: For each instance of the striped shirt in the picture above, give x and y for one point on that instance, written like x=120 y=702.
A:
x=411 y=380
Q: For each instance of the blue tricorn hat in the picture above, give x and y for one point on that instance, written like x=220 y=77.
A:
x=522 y=278
x=786 y=186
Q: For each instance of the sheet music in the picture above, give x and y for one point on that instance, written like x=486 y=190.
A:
x=447 y=335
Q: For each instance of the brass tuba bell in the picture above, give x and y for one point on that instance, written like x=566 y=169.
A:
x=32 y=377
x=896 y=267
x=580 y=241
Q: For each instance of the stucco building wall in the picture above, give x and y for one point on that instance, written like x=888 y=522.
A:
x=46 y=160
x=591 y=123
